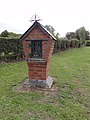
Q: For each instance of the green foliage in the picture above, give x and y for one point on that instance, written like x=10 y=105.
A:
x=50 y=29
x=82 y=35
x=5 y=33
x=14 y=35
x=77 y=34
x=87 y=35
x=64 y=44
x=70 y=35
x=10 y=49
x=10 y=35
x=87 y=42
x=72 y=40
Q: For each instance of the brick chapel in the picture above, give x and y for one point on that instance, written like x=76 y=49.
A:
x=38 y=44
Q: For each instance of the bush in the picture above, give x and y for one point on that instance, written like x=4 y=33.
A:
x=74 y=43
x=87 y=42
x=68 y=43
x=64 y=44
x=10 y=49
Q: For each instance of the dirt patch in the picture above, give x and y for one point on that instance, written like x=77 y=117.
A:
x=79 y=91
x=76 y=81
x=21 y=87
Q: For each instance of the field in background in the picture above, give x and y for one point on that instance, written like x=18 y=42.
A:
x=70 y=102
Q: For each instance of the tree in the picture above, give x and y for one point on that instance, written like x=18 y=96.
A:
x=70 y=35
x=82 y=32
x=50 y=29
x=57 y=36
x=81 y=35
x=5 y=33
x=77 y=34
x=87 y=35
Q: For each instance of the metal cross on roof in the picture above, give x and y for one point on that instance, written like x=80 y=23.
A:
x=35 y=18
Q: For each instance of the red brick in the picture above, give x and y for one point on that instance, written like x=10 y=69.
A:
x=37 y=70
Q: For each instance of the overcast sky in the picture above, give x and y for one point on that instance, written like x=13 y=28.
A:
x=63 y=15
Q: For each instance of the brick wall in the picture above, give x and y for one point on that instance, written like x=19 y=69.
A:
x=37 y=70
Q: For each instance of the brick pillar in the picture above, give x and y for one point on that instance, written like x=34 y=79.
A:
x=37 y=70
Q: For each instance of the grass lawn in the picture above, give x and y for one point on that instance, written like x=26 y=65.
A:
x=71 y=102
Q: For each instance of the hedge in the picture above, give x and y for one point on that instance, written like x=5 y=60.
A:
x=10 y=49
x=87 y=42
x=64 y=44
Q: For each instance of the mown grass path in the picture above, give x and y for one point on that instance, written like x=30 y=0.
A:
x=71 y=102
